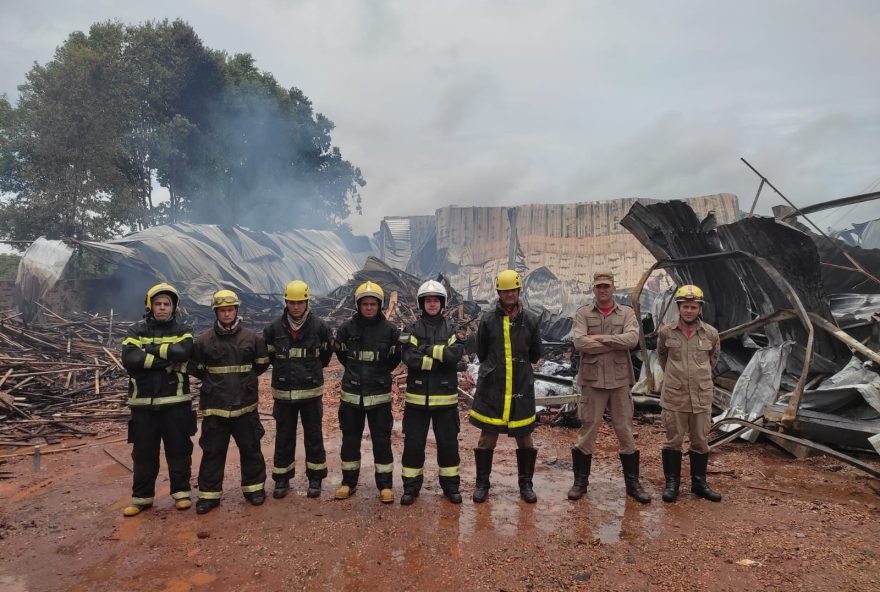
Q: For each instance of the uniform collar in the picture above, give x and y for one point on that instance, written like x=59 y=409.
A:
x=699 y=327
x=614 y=307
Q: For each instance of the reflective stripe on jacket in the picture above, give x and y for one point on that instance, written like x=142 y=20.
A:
x=431 y=355
x=228 y=364
x=369 y=350
x=298 y=361
x=155 y=354
x=505 y=395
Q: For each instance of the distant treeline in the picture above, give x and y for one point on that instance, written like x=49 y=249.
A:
x=123 y=109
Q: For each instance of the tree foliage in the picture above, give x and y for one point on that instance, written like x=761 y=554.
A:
x=122 y=110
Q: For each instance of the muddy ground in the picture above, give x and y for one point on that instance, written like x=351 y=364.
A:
x=784 y=524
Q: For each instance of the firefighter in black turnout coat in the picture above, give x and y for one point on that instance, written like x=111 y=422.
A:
x=431 y=350
x=228 y=358
x=508 y=343
x=300 y=347
x=367 y=345
x=155 y=354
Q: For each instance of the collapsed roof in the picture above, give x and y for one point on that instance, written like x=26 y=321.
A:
x=198 y=259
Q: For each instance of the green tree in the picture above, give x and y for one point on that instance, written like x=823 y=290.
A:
x=124 y=108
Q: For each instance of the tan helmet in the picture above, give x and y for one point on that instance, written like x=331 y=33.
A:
x=162 y=288
x=297 y=290
x=224 y=298
x=369 y=289
x=689 y=293
x=508 y=280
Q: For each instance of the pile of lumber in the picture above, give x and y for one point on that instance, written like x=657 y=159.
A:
x=61 y=378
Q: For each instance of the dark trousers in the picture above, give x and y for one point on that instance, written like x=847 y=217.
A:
x=416 y=421
x=147 y=430
x=311 y=413
x=351 y=422
x=247 y=432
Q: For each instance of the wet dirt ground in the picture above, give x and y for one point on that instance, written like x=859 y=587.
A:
x=784 y=524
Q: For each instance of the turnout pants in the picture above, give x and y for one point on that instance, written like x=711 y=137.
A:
x=351 y=422
x=416 y=421
x=147 y=429
x=591 y=408
x=247 y=432
x=311 y=413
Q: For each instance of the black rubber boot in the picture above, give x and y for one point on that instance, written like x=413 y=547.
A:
x=483 y=460
x=411 y=488
x=525 y=463
x=580 y=464
x=282 y=486
x=699 y=487
x=314 y=489
x=256 y=498
x=672 y=472
x=203 y=506
x=634 y=489
x=450 y=487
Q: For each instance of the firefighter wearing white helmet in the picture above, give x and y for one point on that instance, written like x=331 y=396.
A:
x=228 y=358
x=508 y=343
x=367 y=345
x=300 y=347
x=688 y=351
x=155 y=354
x=431 y=350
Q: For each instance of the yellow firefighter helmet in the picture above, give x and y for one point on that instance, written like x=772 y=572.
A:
x=508 y=280
x=162 y=288
x=224 y=298
x=369 y=289
x=296 y=290
x=689 y=293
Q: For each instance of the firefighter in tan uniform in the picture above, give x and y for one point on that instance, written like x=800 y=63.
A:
x=604 y=333
x=688 y=350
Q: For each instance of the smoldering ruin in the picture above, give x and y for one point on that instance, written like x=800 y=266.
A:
x=798 y=312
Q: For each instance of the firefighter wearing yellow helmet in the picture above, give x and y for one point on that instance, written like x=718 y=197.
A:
x=367 y=345
x=688 y=350
x=300 y=347
x=155 y=354
x=228 y=358
x=431 y=350
x=508 y=343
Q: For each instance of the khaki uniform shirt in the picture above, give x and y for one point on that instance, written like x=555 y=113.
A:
x=607 y=364
x=687 y=364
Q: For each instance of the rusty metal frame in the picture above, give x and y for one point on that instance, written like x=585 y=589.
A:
x=798 y=309
x=746 y=424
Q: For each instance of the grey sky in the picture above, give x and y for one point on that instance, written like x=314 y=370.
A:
x=508 y=101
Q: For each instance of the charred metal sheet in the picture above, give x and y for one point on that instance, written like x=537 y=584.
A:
x=671 y=230
x=837 y=268
x=758 y=385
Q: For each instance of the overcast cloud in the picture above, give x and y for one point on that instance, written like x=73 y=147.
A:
x=507 y=102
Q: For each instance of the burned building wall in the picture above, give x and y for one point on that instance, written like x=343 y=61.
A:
x=572 y=240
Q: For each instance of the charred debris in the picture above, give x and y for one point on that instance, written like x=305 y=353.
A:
x=798 y=313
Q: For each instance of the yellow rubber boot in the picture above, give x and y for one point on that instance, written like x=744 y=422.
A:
x=183 y=504
x=133 y=510
x=386 y=496
x=344 y=492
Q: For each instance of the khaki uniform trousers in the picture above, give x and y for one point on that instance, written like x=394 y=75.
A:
x=679 y=423
x=591 y=408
